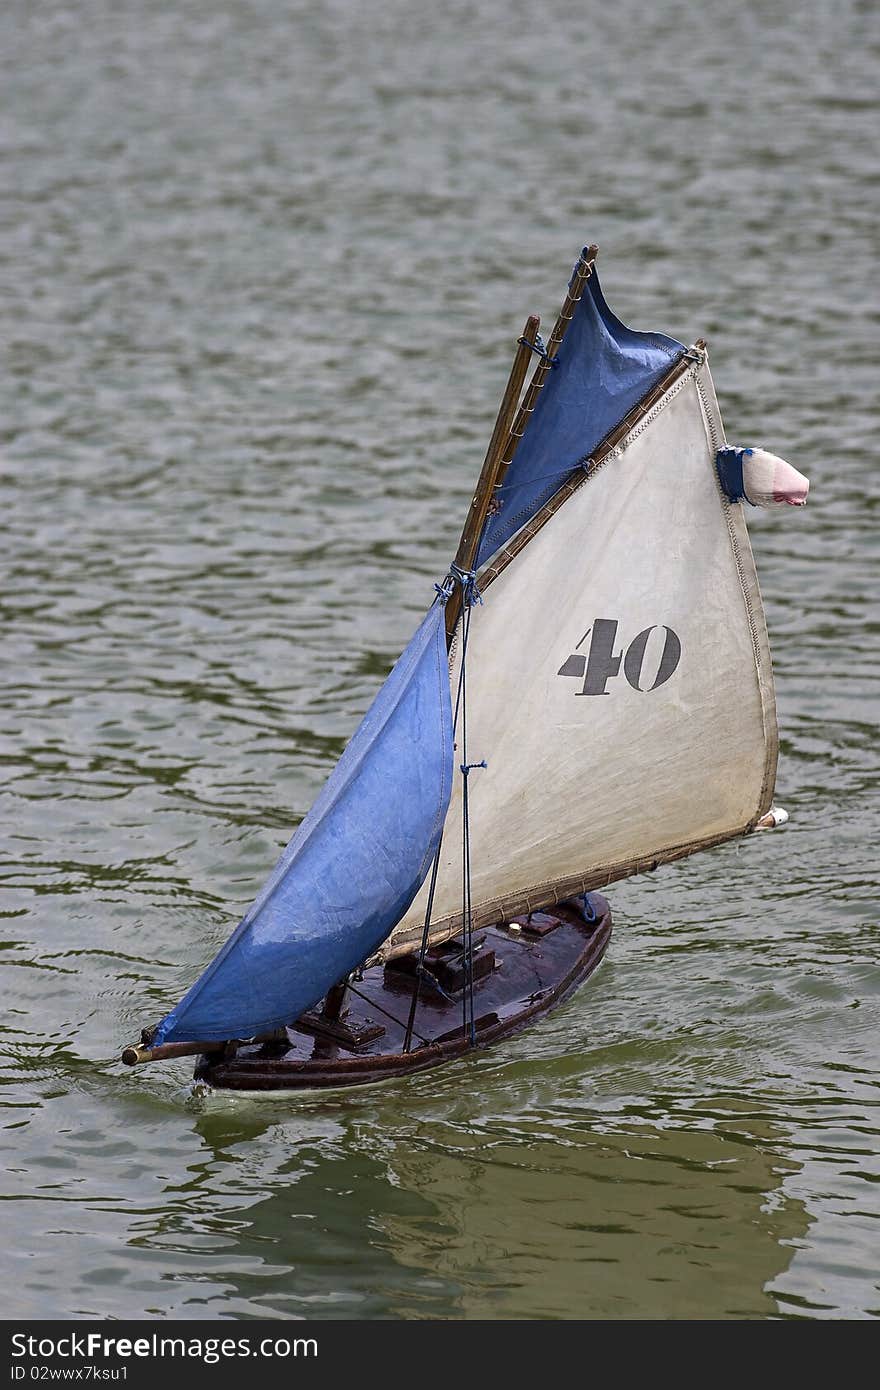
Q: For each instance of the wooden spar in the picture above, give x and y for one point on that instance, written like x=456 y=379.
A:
x=136 y=1054
x=482 y=498
x=511 y=432
x=582 y=272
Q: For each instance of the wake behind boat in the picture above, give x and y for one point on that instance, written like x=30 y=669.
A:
x=589 y=695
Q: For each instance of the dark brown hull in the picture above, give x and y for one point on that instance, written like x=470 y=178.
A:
x=535 y=969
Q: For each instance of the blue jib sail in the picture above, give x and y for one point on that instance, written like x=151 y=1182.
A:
x=351 y=869
x=603 y=370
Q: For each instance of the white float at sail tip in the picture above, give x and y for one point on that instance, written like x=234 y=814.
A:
x=761 y=478
x=771 y=482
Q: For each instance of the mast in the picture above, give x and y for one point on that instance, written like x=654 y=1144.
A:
x=511 y=424
x=581 y=274
x=465 y=560
x=489 y=473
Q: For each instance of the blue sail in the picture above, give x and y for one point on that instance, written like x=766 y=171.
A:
x=351 y=869
x=604 y=369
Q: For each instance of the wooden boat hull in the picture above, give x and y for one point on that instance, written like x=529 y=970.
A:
x=529 y=968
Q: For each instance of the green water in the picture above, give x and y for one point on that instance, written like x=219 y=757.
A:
x=261 y=269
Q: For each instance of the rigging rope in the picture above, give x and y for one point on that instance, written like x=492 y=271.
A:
x=373 y=1005
x=539 y=347
x=417 y=984
x=470 y=594
x=467 y=919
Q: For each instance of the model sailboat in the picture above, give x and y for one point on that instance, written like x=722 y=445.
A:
x=589 y=695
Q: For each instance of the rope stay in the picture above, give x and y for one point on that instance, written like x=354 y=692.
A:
x=540 y=348
x=470 y=596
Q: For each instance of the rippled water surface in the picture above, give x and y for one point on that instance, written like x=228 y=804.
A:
x=262 y=265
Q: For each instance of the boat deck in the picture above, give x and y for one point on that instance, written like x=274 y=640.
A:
x=522 y=971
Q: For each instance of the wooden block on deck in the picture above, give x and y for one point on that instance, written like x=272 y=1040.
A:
x=340 y=1030
x=447 y=965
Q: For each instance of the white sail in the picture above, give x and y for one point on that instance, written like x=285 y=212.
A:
x=619 y=684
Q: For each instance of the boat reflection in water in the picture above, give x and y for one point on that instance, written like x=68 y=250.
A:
x=373 y=1216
